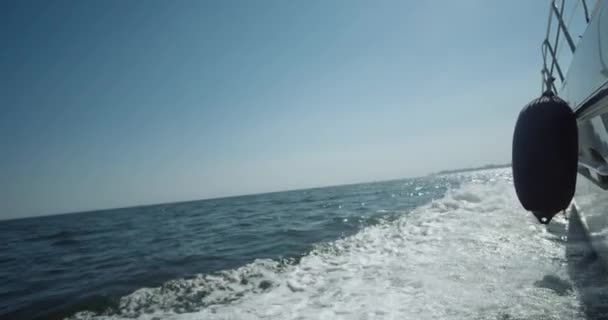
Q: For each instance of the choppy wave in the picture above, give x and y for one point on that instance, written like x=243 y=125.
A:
x=474 y=254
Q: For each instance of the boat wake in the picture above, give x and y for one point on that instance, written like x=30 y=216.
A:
x=474 y=254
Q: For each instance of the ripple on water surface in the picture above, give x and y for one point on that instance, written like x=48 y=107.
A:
x=473 y=254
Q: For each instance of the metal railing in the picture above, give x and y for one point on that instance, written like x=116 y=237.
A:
x=550 y=49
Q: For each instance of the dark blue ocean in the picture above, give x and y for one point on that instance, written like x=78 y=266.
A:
x=454 y=246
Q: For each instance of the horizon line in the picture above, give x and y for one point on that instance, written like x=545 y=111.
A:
x=202 y=199
x=448 y=171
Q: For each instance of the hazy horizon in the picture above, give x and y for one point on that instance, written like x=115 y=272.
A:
x=238 y=195
x=118 y=104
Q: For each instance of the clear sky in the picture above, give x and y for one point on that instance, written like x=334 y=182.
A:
x=117 y=103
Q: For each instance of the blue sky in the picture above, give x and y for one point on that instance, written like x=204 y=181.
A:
x=117 y=103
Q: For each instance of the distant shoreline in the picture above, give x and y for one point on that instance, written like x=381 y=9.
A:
x=485 y=167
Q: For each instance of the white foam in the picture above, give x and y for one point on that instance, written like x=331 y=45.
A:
x=475 y=254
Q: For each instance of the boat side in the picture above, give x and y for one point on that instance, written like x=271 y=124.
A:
x=586 y=90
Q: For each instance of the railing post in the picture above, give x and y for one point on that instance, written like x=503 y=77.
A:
x=562 y=25
x=586 y=10
x=554 y=60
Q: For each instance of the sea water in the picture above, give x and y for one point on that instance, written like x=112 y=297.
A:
x=455 y=246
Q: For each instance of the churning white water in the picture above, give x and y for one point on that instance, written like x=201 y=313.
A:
x=474 y=254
